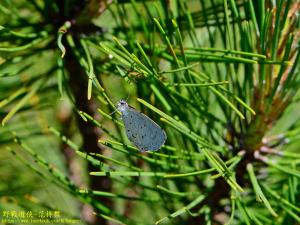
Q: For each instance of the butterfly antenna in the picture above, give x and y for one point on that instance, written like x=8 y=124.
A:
x=127 y=97
x=116 y=109
x=113 y=112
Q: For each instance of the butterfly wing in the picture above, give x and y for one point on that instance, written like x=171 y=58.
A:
x=143 y=132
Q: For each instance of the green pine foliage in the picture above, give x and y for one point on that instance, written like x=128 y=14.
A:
x=220 y=77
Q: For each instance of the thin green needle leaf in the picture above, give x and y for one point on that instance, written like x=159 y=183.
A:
x=167 y=41
x=42 y=162
x=87 y=117
x=229 y=39
x=113 y=195
x=253 y=16
x=233 y=205
x=245 y=105
x=225 y=51
x=242 y=209
x=133 y=59
x=197 y=85
x=113 y=220
x=128 y=174
x=291 y=213
x=35 y=87
x=161 y=97
x=150 y=174
x=22 y=35
x=85 y=65
x=5 y=10
x=62 y=30
x=78 y=151
x=176 y=193
x=189 y=174
x=23 y=47
x=283 y=169
x=258 y=190
x=227 y=101
x=116 y=162
x=182 y=210
x=281 y=199
x=13 y=96
x=91 y=74
x=130 y=150
x=180 y=69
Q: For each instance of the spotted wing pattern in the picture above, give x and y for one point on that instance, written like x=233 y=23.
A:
x=143 y=132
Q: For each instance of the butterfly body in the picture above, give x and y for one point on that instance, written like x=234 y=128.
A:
x=143 y=132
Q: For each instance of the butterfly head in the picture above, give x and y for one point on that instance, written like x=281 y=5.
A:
x=122 y=105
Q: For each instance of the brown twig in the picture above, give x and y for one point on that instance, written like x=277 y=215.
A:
x=89 y=132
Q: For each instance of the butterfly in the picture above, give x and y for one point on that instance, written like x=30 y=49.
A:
x=143 y=132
